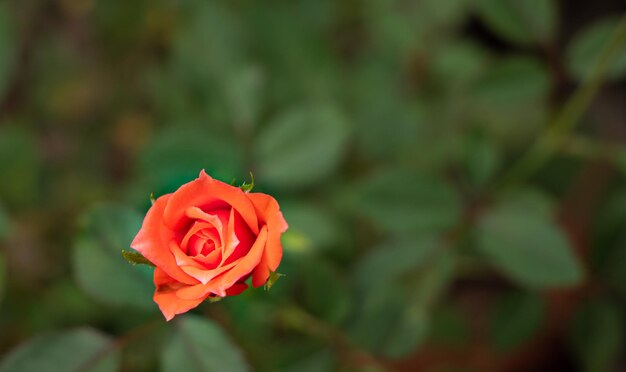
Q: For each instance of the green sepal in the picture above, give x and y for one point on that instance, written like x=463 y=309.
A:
x=247 y=187
x=274 y=276
x=152 y=198
x=136 y=258
x=214 y=299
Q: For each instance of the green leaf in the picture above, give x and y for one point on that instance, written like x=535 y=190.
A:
x=244 y=97
x=412 y=326
x=20 y=163
x=583 y=51
x=459 y=62
x=323 y=360
x=98 y=266
x=398 y=285
x=389 y=261
x=520 y=21
x=608 y=256
x=3 y=275
x=209 y=44
x=311 y=228
x=526 y=245
x=510 y=97
x=402 y=200
x=8 y=48
x=215 y=299
x=516 y=319
x=301 y=146
x=529 y=199
x=325 y=292
x=136 y=258
x=481 y=159
x=379 y=101
x=247 y=187
x=176 y=156
x=274 y=276
x=200 y=345
x=5 y=223
x=75 y=350
x=449 y=326
x=597 y=336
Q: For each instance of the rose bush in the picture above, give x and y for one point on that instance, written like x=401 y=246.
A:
x=206 y=239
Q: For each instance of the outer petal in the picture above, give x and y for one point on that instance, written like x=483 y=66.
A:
x=236 y=289
x=165 y=296
x=205 y=191
x=153 y=239
x=268 y=211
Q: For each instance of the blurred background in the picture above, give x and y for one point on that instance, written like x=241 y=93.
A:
x=453 y=173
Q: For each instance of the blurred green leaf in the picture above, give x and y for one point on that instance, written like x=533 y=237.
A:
x=274 y=276
x=8 y=48
x=510 y=98
x=389 y=261
x=458 y=62
x=292 y=41
x=136 y=258
x=210 y=43
x=398 y=286
x=449 y=326
x=244 y=96
x=515 y=320
x=325 y=292
x=481 y=159
x=520 y=21
x=200 y=345
x=311 y=228
x=401 y=28
x=608 y=256
x=379 y=103
x=527 y=246
x=176 y=156
x=302 y=146
x=402 y=200
x=584 y=50
x=597 y=336
x=531 y=200
x=75 y=350
x=3 y=275
x=20 y=163
x=100 y=269
x=253 y=326
x=5 y=223
x=323 y=360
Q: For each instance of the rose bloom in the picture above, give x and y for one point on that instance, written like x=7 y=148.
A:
x=206 y=239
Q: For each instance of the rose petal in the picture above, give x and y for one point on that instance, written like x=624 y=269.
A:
x=153 y=238
x=205 y=275
x=211 y=260
x=231 y=239
x=216 y=218
x=205 y=191
x=197 y=246
x=182 y=260
x=236 y=289
x=206 y=229
x=244 y=266
x=165 y=296
x=268 y=211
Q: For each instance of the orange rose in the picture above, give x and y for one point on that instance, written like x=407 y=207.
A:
x=206 y=239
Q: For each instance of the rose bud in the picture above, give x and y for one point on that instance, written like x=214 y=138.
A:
x=206 y=239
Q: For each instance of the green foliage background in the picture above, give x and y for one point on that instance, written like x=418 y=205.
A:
x=453 y=173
